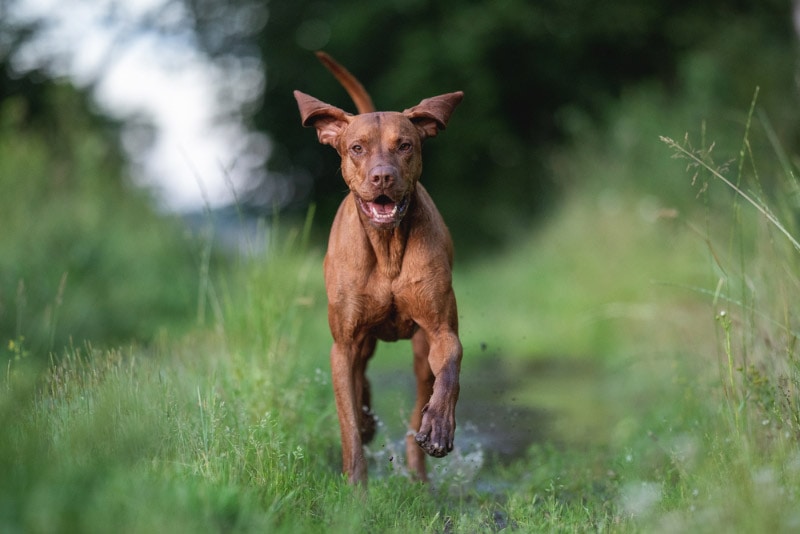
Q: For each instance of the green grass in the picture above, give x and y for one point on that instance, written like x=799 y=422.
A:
x=598 y=342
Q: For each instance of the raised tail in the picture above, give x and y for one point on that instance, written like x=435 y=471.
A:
x=353 y=87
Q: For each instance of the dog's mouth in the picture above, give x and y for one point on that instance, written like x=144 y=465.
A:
x=384 y=212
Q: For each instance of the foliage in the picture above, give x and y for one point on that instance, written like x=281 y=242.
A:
x=82 y=254
x=648 y=327
x=534 y=74
x=233 y=427
x=753 y=303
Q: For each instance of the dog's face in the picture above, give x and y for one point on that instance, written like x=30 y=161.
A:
x=381 y=152
x=381 y=162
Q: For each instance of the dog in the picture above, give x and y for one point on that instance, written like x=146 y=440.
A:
x=388 y=269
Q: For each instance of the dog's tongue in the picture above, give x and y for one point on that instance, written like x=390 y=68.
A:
x=382 y=212
x=385 y=208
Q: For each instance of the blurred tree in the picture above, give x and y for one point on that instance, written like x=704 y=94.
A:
x=533 y=73
x=82 y=253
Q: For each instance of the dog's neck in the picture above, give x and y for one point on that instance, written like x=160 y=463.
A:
x=389 y=245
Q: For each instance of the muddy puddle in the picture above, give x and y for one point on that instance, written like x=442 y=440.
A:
x=504 y=408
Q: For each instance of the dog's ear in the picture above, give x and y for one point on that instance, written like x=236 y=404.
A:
x=432 y=114
x=329 y=120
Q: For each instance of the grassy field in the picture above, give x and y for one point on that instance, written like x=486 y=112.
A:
x=630 y=365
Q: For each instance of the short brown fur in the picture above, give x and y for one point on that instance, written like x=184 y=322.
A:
x=388 y=269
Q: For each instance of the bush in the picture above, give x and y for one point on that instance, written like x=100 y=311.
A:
x=83 y=255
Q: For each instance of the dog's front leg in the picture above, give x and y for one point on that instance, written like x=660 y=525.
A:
x=344 y=367
x=415 y=456
x=437 y=430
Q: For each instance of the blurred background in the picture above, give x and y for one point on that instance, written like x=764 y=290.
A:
x=135 y=133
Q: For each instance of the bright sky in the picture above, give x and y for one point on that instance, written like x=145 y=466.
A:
x=196 y=157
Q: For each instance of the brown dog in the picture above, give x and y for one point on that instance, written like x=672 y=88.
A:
x=388 y=269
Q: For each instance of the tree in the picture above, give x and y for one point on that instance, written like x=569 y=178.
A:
x=83 y=255
x=531 y=72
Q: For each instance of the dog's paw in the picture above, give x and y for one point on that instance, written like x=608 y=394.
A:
x=436 y=434
x=435 y=449
x=368 y=425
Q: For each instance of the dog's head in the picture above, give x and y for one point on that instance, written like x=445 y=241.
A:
x=381 y=152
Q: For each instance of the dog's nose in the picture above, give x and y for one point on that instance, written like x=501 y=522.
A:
x=382 y=176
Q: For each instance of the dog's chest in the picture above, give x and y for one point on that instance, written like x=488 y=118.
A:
x=388 y=314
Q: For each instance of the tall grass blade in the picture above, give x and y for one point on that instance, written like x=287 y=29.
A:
x=685 y=152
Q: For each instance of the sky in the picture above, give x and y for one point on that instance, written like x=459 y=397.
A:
x=197 y=159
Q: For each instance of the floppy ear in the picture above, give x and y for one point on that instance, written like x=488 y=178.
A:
x=329 y=120
x=432 y=114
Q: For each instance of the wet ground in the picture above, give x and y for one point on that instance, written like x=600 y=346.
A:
x=504 y=408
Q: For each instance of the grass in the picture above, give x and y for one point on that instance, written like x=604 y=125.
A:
x=640 y=353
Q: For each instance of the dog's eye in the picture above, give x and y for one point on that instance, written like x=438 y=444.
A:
x=404 y=147
x=356 y=149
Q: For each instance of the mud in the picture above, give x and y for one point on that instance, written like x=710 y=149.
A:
x=505 y=408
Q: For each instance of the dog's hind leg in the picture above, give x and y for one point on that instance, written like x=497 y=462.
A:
x=368 y=422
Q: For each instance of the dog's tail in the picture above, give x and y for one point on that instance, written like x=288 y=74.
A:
x=353 y=87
